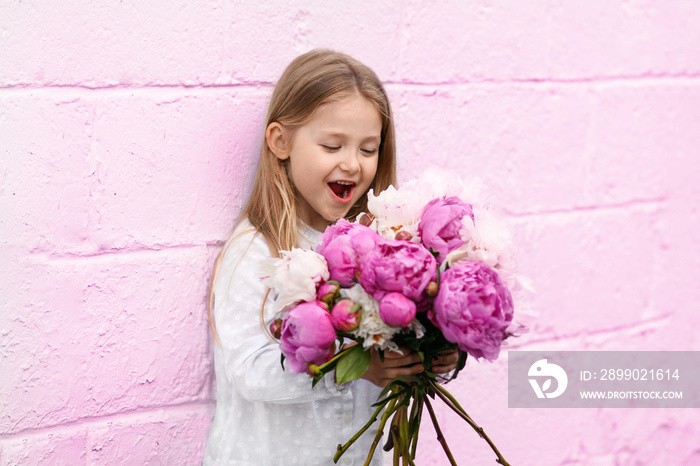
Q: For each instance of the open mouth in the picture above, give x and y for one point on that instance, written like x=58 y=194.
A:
x=342 y=189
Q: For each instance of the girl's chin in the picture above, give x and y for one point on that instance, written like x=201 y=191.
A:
x=332 y=219
x=337 y=215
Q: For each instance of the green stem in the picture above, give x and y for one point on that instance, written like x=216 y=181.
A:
x=454 y=405
x=397 y=455
x=395 y=436
x=344 y=448
x=380 y=431
x=447 y=397
x=333 y=360
x=415 y=418
x=400 y=431
x=440 y=437
x=401 y=422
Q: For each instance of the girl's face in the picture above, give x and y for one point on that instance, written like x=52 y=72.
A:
x=333 y=158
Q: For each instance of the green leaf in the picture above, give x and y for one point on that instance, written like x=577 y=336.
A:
x=352 y=365
x=316 y=379
x=394 y=394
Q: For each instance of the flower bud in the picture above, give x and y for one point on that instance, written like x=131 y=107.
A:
x=403 y=235
x=328 y=291
x=432 y=289
x=397 y=310
x=312 y=370
x=346 y=315
x=365 y=219
x=276 y=328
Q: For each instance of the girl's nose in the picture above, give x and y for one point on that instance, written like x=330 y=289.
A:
x=351 y=161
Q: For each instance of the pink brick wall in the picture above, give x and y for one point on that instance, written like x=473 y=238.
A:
x=129 y=132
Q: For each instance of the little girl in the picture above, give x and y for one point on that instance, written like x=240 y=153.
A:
x=329 y=138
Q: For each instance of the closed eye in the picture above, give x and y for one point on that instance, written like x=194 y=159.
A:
x=330 y=148
x=369 y=151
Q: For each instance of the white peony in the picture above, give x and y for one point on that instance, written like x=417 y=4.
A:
x=400 y=209
x=294 y=276
x=395 y=210
x=436 y=182
x=526 y=316
x=489 y=242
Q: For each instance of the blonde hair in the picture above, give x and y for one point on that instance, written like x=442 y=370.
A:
x=310 y=80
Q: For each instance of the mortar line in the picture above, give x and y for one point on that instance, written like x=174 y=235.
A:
x=132 y=86
x=43 y=255
x=645 y=79
x=652 y=202
x=76 y=424
x=595 y=333
x=136 y=90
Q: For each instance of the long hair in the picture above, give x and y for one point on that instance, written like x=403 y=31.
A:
x=312 y=79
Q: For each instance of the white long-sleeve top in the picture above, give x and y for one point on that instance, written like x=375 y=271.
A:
x=264 y=415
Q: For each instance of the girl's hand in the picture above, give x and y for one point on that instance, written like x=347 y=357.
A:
x=380 y=373
x=445 y=362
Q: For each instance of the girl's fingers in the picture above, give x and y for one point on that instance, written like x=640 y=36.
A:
x=446 y=358
x=392 y=359
x=444 y=369
x=404 y=371
x=382 y=372
x=406 y=363
x=445 y=362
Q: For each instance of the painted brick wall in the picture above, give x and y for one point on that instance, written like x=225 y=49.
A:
x=128 y=139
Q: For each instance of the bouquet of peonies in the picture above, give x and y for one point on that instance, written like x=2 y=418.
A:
x=428 y=277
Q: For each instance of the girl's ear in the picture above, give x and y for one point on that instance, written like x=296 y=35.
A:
x=276 y=138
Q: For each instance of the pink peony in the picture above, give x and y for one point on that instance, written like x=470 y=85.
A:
x=339 y=228
x=307 y=336
x=441 y=224
x=346 y=315
x=396 y=309
x=398 y=266
x=473 y=308
x=363 y=241
x=343 y=245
